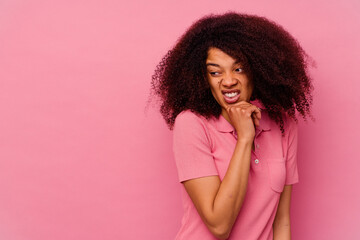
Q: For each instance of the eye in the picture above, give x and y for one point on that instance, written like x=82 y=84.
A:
x=239 y=70
x=214 y=73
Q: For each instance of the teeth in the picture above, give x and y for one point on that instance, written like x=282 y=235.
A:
x=233 y=94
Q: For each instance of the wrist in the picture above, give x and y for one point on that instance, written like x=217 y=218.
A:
x=244 y=141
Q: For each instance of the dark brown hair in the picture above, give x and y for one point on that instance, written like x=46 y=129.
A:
x=277 y=64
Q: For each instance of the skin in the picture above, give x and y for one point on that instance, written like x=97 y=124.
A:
x=219 y=202
x=281 y=225
x=225 y=73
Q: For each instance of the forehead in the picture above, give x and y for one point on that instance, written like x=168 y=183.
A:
x=219 y=57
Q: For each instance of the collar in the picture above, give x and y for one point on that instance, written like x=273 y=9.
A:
x=222 y=125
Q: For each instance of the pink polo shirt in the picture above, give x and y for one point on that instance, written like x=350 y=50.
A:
x=204 y=148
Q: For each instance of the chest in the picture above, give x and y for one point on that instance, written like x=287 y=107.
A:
x=267 y=149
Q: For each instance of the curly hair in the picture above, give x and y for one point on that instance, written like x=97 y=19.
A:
x=276 y=62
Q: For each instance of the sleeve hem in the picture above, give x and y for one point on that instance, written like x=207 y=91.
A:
x=291 y=182
x=182 y=179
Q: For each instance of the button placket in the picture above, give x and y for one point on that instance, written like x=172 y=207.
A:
x=256 y=160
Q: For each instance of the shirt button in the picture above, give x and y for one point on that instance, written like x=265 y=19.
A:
x=256 y=161
x=257 y=146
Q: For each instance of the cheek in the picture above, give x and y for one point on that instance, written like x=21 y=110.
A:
x=214 y=87
x=248 y=86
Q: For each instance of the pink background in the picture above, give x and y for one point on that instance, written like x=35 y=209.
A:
x=81 y=159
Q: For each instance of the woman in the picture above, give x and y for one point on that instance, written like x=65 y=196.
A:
x=230 y=90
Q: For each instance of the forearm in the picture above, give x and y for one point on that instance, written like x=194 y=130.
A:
x=232 y=190
x=282 y=230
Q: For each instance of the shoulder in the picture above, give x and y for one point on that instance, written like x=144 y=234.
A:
x=289 y=122
x=190 y=119
x=290 y=125
x=191 y=126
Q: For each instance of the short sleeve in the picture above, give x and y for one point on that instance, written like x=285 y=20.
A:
x=292 y=175
x=192 y=147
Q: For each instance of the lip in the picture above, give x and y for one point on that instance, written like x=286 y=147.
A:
x=233 y=99
x=230 y=91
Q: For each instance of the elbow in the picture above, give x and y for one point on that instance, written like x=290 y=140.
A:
x=219 y=225
x=221 y=232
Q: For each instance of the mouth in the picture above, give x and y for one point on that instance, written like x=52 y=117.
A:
x=231 y=96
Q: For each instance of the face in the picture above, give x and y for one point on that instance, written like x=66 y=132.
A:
x=228 y=81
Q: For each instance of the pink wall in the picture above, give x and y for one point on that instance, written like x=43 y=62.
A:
x=79 y=158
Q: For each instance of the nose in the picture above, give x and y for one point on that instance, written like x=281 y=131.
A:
x=229 y=80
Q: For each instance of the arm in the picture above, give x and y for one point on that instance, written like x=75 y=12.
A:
x=218 y=203
x=281 y=225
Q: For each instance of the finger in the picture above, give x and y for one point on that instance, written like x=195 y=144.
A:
x=258 y=113
x=255 y=111
x=255 y=120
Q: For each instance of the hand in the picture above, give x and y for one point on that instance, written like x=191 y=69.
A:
x=244 y=117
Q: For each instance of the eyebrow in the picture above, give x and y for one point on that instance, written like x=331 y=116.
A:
x=213 y=64
x=217 y=65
